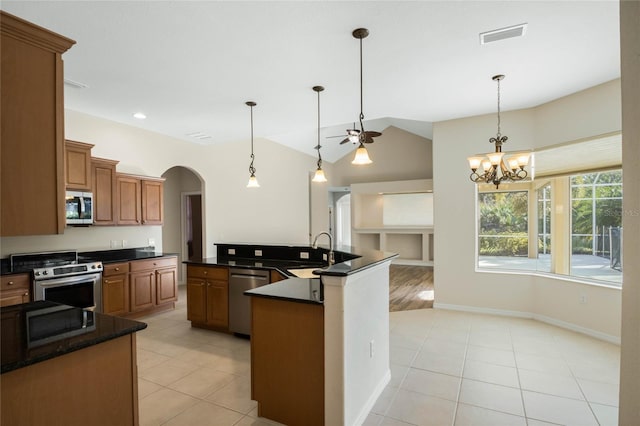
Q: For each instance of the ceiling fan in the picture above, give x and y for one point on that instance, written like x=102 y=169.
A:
x=353 y=135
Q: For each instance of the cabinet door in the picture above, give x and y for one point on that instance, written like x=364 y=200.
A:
x=115 y=295
x=152 y=210
x=143 y=290
x=218 y=303
x=103 y=174
x=129 y=200
x=166 y=285
x=77 y=168
x=14 y=289
x=197 y=300
x=8 y=298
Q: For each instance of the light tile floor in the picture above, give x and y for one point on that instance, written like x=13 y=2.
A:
x=447 y=368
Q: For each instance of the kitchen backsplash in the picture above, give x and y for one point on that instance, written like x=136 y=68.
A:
x=85 y=239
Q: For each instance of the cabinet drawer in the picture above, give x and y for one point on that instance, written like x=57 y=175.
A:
x=157 y=263
x=115 y=269
x=211 y=272
x=15 y=281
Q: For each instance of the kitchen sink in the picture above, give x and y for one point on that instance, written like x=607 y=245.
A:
x=304 y=272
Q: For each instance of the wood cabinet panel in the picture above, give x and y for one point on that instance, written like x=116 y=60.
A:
x=276 y=276
x=143 y=290
x=129 y=200
x=208 y=296
x=196 y=300
x=156 y=263
x=115 y=289
x=32 y=185
x=218 y=303
x=77 y=166
x=103 y=185
x=152 y=208
x=166 y=289
x=15 y=289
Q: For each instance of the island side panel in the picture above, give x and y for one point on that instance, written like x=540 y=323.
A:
x=287 y=361
x=356 y=314
x=93 y=386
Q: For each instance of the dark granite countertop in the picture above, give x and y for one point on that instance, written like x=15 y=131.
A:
x=280 y=265
x=305 y=290
x=121 y=255
x=38 y=331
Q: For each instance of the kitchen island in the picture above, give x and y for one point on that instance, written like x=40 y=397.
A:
x=67 y=366
x=319 y=346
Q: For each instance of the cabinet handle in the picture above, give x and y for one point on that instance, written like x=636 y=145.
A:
x=205 y=272
x=208 y=284
x=117 y=269
x=10 y=283
x=26 y=294
x=106 y=281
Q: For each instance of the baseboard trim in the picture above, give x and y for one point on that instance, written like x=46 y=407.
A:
x=366 y=409
x=542 y=318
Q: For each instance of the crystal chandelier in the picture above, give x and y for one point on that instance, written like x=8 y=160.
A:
x=496 y=167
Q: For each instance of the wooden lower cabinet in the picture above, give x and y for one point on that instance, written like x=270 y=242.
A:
x=15 y=289
x=143 y=290
x=97 y=386
x=166 y=289
x=287 y=361
x=208 y=296
x=115 y=289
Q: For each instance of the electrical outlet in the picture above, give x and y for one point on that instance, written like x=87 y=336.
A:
x=304 y=255
x=324 y=256
x=371 y=351
x=583 y=298
x=125 y=243
x=151 y=242
x=113 y=244
x=258 y=264
x=231 y=252
x=258 y=253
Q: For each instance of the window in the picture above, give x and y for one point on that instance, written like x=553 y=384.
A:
x=596 y=225
x=503 y=239
x=544 y=228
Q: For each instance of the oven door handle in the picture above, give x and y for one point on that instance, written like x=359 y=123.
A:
x=68 y=280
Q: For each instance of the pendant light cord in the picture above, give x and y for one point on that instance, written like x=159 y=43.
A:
x=319 y=156
x=499 y=134
x=361 y=102
x=252 y=169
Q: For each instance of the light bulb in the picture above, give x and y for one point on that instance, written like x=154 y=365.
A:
x=353 y=138
x=253 y=182
x=362 y=156
x=523 y=158
x=486 y=165
x=495 y=157
x=474 y=162
x=513 y=164
x=319 y=176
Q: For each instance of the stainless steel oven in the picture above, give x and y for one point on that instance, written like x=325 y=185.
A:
x=78 y=285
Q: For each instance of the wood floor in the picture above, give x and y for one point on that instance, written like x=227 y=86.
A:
x=410 y=287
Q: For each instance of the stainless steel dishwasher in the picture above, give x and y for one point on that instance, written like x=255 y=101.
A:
x=241 y=280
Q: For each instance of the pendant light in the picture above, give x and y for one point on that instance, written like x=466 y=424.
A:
x=496 y=167
x=253 y=181
x=319 y=176
x=362 y=156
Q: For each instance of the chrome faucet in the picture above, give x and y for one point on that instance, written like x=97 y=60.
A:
x=332 y=259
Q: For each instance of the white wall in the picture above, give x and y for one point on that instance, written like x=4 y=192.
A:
x=457 y=284
x=276 y=212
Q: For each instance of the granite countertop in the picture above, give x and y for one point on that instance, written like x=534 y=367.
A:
x=38 y=331
x=305 y=290
x=121 y=255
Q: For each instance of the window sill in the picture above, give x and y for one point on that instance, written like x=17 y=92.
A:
x=573 y=279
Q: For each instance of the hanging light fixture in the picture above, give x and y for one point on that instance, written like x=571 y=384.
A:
x=362 y=156
x=253 y=181
x=496 y=167
x=319 y=176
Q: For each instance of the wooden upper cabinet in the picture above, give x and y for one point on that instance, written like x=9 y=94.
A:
x=32 y=185
x=140 y=200
x=103 y=176
x=152 y=210
x=77 y=168
x=129 y=200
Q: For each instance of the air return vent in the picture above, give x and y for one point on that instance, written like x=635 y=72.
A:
x=503 y=33
x=199 y=135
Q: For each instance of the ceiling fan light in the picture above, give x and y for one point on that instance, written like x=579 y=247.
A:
x=253 y=182
x=354 y=138
x=319 y=176
x=362 y=156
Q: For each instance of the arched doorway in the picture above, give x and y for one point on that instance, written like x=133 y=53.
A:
x=183 y=228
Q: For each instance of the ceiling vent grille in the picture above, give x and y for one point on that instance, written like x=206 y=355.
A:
x=503 y=33
x=75 y=84
x=199 y=135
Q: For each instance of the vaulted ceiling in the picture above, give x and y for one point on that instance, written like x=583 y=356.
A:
x=190 y=66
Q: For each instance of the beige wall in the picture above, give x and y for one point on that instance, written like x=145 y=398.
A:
x=396 y=155
x=457 y=284
x=278 y=211
x=630 y=366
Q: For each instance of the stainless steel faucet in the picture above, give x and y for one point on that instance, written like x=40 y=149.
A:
x=332 y=259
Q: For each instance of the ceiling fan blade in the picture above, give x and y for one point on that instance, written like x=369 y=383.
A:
x=368 y=139
x=373 y=134
x=331 y=137
x=344 y=141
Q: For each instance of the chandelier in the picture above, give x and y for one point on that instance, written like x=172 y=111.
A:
x=496 y=168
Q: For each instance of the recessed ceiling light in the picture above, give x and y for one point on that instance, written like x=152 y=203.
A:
x=140 y=115
x=503 y=33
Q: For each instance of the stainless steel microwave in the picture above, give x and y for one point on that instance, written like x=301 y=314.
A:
x=79 y=208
